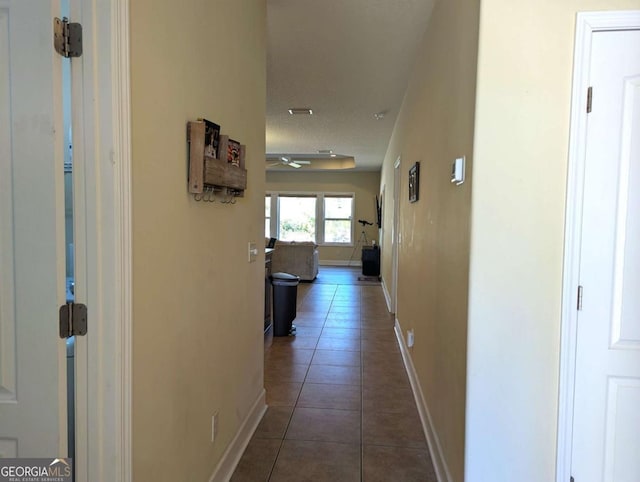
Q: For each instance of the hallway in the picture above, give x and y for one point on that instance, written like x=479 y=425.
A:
x=340 y=404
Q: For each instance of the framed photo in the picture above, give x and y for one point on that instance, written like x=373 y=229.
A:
x=211 y=138
x=233 y=153
x=414 y=182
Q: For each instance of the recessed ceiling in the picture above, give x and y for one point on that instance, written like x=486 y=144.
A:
x=309 y=162
x=347 y=60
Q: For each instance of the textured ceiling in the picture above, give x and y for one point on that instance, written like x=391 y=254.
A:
x=346 y=60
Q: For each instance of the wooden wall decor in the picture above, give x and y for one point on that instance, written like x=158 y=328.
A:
x=215 y=175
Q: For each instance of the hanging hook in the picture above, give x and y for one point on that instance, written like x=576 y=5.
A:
x=212 y=194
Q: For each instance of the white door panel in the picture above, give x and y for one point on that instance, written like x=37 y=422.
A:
x=32 y=357
x=621 y=460
x=626 y=278
x=606 y=443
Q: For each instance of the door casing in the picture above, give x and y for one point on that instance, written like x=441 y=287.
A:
x=395 y=236
x=102 y=177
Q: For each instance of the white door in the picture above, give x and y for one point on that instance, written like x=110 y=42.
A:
x=32 y=272
x=606 y=431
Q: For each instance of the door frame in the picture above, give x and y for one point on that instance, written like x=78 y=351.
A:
x=395 y=236
x=587 y=23
x=103 y=357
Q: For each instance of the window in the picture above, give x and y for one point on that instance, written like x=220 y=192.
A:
x=267 y=216
x=324 y=218
x=337 y=219
x=296 y=218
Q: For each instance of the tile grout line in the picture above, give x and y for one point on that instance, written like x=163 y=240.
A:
x=361 y=314
x=295 y=405
x=361 y=391
x=364 y=302
x=286 y=429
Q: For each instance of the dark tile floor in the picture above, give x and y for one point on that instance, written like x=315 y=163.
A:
x=340 y=403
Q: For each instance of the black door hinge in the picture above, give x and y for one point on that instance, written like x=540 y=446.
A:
x=589 y=99
x=580 y=294
x=67 y=37
x=73 y=320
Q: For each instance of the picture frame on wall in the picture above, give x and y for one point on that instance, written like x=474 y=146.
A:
x=233 y=152
x=414 y=182
x=211 y=138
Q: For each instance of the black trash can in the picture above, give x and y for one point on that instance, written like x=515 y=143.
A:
x=285 y=293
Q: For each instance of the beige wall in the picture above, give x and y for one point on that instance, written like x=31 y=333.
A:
x=434 y=127
x=198 y=303
x=365 y=185
x=520 y=166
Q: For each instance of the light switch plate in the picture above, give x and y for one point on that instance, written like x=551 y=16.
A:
x=458 y=171
x=253 y=252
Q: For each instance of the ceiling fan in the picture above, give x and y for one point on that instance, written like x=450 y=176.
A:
x=287 y=161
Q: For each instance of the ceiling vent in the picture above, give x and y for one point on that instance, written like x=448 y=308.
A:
x=327 y=152
x=300 y=111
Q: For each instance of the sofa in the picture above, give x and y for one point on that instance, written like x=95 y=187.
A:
x=299 y=258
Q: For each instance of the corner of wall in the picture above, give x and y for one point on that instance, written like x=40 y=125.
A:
x=435 y=126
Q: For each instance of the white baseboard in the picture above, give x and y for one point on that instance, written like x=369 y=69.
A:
x=435 y=449
x=340 y=262
x=387 y=296
x=232 y=455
